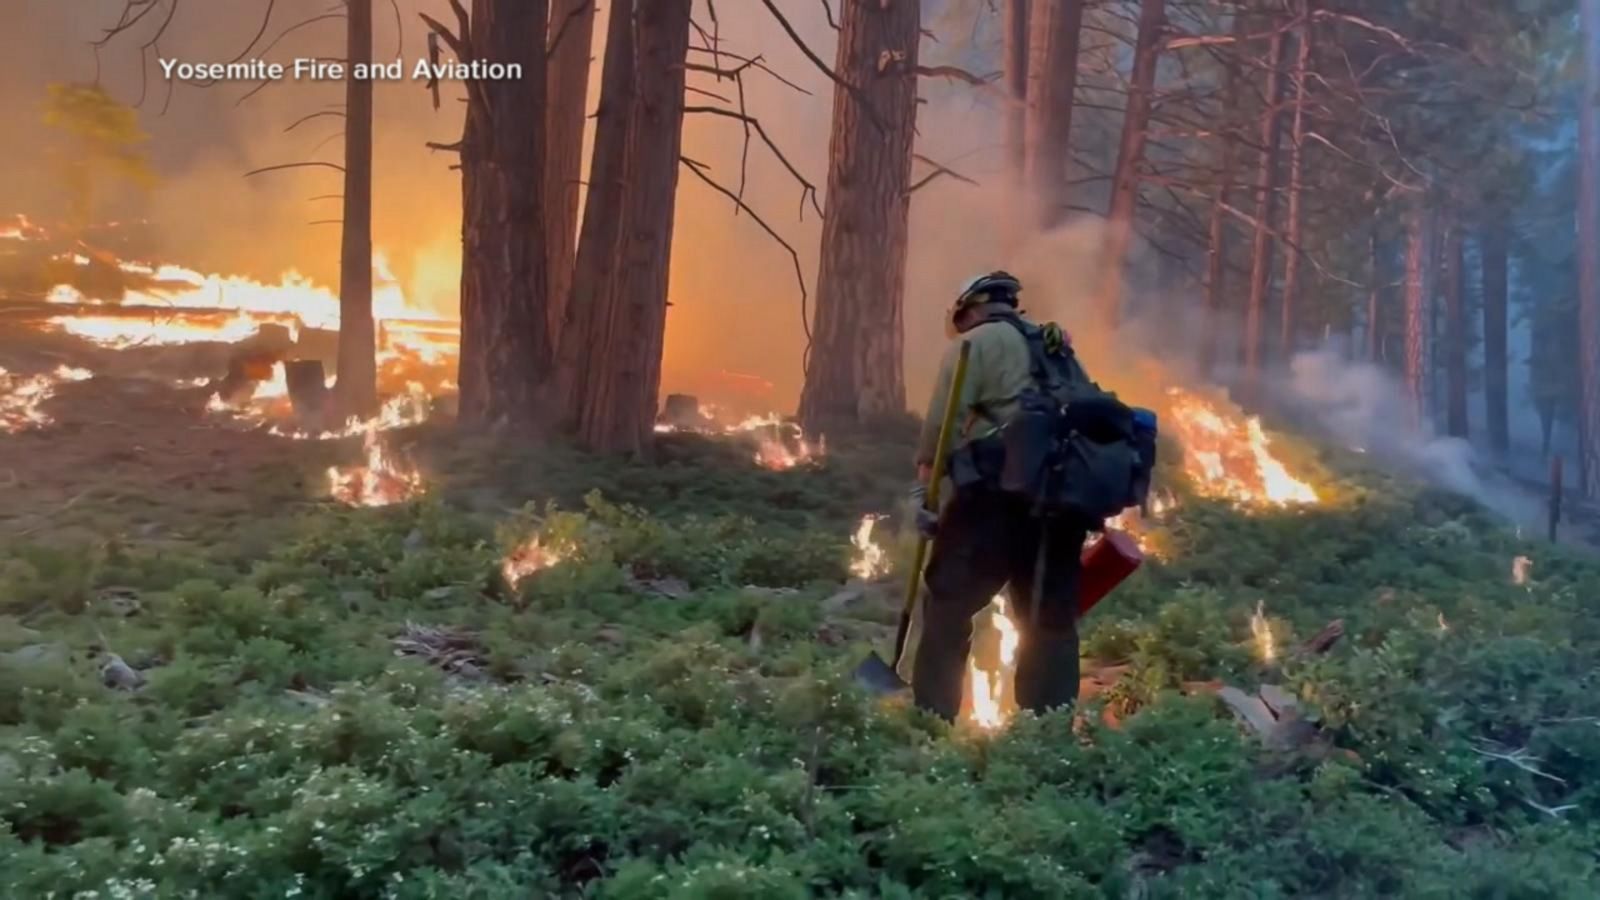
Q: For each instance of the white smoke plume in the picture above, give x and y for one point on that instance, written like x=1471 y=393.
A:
x=1363 y=407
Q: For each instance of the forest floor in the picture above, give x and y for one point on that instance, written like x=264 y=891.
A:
x=217 y=681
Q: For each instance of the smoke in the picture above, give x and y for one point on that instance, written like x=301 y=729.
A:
x=1364 y=408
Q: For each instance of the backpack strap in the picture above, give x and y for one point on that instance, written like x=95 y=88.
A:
x=1050 y=371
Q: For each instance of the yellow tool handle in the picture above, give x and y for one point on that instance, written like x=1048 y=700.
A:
x=941 y=451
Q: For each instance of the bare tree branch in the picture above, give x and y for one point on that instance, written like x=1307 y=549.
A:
x=807 y=188
x=805 y=314
x=835 y=77
x=316 y=115
x=827 y=10
x=705 y=93
x=957 y=73
x=938 y=170
x=296 y=165
x=746 y=62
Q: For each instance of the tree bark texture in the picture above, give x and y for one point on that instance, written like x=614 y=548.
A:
x=1455 y=333
x=1294 y=227
x=1416 y=312
x=1130 y=156
x=856 y=373
x=1216 y=277
x=1265 y=202
x=1374 y=335
x=357 y=387
x=1054 y=28
x=505 y=339
x=568 y=43
x=589 y=305
x=1589 y=250
x=1492 y=245
x=619 y=410
x=1014 y=72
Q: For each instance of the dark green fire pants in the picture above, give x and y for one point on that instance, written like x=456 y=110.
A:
x=987 y=541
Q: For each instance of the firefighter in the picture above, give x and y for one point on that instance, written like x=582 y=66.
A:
x=987 y=540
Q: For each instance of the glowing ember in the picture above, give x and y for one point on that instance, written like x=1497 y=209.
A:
x=1226 y=456
x=382 y=481
x=533 y=555
x=1266 y=647
x=22 y=396
x=991 y=708
x=1520 y=569
x=871 y=560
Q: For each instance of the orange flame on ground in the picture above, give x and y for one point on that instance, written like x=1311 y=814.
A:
x=1261 y=631
x=1229 y=457
x=22 y=397
x=871 y=560
x=382 y=481
x=991 y=708
x=530 y=557
x=780 y=445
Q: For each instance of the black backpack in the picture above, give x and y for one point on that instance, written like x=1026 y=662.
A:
x=1073 y=449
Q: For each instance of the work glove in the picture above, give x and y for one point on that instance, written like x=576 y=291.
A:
x=927 y=520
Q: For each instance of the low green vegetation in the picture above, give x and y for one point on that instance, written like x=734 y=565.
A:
x=364 y=708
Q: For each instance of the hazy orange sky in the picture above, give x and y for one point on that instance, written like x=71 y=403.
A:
x=734 y=328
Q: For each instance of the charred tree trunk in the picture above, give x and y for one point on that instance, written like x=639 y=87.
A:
x=1493 y=248
x=1014 y=71
x=357 y=387
x=1265 y=197
x=590 y=301
x=1217 y=259
x=1130 y=156
x=619 y=410
x=505 y=339
x=1416 y=312
x=1053 y=34
x=569 y=40
x=1455 y=333
x=1589 y=250
x=1217 y=231
x=856 y=370
x=1374 y=296
x=1293 y=228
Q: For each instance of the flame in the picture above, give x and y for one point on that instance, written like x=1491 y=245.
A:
x=780 y=444
x=1266 y=647
x=171 y=304
x=383 y=480
x=21 y=397
x=1231 y=458
x=530 y=557
x=991 y=708
x=1520 y=568
x=871 y=560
